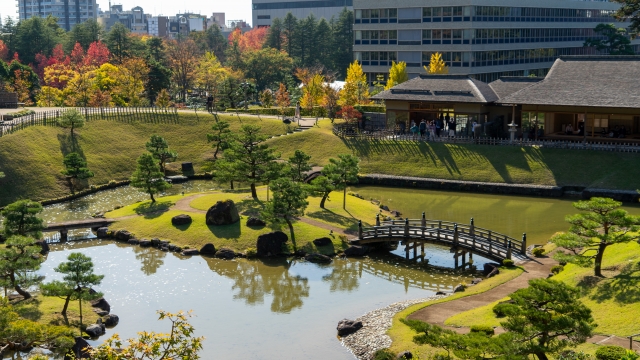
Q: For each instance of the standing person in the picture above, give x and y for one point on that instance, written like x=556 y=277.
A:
x=423 y=128
x=432 y=130
x=210 y=103
x=414 y=130
x=439 y=125
x=403 y=126
x=298 y=110
x=474 y=126
x=452 y=127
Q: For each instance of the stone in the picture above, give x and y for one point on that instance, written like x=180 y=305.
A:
x=223 y=213
x=123 y=235
x=300 y=253
x=111 y=320
x=489 y=267
x=80 y=349
x=102 y=233
x=43 y=246
x=346 y=327
x=318 y=258
x=459 y=288
x=356 y=250
x=95 y=330
x=155 y=242
x=227 y=254
x=187 y=167
x=531 y=247
x=190 y=252
x=440 y=293
x=493 y=273
x=181 y=219
x=384 y=207
x=396 y=213
x=145 y=243
x=322 y=241
x=476 y=281
x=550 y=275
x=405 y=355
x=101 y=304
x=208 y=249
x=101 y=312
x=133 y=241
x=254 y=221
x=270 y=244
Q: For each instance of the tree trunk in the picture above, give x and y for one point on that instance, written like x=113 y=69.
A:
x=293 y=237
x=152 y=198
x=70 y=185
x=324 y=198
x=542 y=356
x=80 y=303
x=231 y=184
x=598 y=260
x=25 y=294
x=254 y=193
x=66 y=305
x=344 y=197
x=267 y=192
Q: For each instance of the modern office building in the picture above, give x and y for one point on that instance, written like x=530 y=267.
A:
x=68 y=12
x=264 y=11
x=482 y=38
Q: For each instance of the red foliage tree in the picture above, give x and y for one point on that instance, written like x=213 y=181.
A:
x=4 y=51
x=349 y=114
x=97 y=54
x=77 y=55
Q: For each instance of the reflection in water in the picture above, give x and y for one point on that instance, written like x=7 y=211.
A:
x=151 y=259
x=344 y=275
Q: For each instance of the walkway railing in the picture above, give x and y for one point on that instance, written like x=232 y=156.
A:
x=473 y=239
x=352 y=132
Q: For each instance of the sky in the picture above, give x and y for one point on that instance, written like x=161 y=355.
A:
x=234 y=9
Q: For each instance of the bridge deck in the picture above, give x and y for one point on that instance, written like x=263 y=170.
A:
x=78 y=224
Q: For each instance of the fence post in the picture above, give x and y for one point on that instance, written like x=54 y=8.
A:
x=406 y=227
x=524 y=243
x=472 y=228
x=455 y=234
x=360 y=229
x=509 y=250
x=424 y=220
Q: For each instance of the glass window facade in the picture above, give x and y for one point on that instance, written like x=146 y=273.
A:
x=302 y=4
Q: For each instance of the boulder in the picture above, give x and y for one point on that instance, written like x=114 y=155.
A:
x=123 y=235
x=101 y=312
x=227 y=254
x=459 y=288
x=384 y=207
x=111 y=320
x=95 y=330
x=254 y=221
x=318 y=258
x=43 y=245
x=489 y=267
x=190 y=252
x=346 y=327
x=322 y=241
x=102 y=233
x=493 y=272
x=155 y=242
x=476 y=281
x=181 y=219
x=145 y=243
x=300 y=253
x=223 y=213
x=440 y=293
x=356 y=250
x=396 y=213
x=270 y=244
x=80 y=349
x=405 y=355
x=101 y=304
x=133 y=241
x=187 y=167
x=208 y=249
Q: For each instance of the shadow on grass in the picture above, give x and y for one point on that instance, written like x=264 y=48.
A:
x=232 y=231
x=69 y=144
x=623 y=288
x=348 y=223
x=250 y=207
x=153 y=210
x=184 y=227
x=29 y=309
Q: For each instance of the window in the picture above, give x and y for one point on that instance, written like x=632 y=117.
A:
x=264 y=17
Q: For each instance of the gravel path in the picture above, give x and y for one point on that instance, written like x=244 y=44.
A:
x=373 y=335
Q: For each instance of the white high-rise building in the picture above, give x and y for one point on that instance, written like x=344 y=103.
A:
x=68 y=12
x=264 y=11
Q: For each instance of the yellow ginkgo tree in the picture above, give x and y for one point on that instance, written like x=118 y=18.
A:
x=436 y=65
x=397 y=74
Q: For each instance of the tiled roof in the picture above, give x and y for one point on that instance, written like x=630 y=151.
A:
x=594 y=81
x=441 y=88
x=508 y=85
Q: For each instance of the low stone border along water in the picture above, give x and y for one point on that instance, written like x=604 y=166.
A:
x=372 y=337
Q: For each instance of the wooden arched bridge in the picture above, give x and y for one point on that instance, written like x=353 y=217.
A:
x=461 y=238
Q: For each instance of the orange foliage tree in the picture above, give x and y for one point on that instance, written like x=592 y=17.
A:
x=4 y=51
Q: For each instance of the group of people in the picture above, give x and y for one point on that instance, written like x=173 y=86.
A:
x=617 y=132
x=443 y=126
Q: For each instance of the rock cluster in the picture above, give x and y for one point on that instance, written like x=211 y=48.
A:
x=318 y=258
x=373 y=334
x=271 y=244
x=254 y=221
x=223 y=213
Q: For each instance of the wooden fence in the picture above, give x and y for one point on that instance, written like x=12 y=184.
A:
x=353 y=132
x=130 y=114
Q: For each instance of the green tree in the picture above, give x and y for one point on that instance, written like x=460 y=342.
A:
x=299 y=164
x=590 y=233
x=616 y=43
x=76 y=283
x=84 y=33
x=397 y=74
x=323 y=186
x=267 y=98
x=19 y=260
x=21 y=218
x=250 y=155
x=266 y=66
x=160 y=151
x=148 y=176
x=289 y=201
x=290 y=34
x=629 y=10
x=343 y=42
x=342 y=171
x=159 y=79
x=34 y=36
x=547 y=317
x=119 y=42
x=220 y=137
x=178 y=343
x=71 y=119
x=75 y=169
x=275 y=37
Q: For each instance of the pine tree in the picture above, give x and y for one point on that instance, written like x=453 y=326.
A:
x=341 y=172
x=290 y=34
x=21 y=218
x=343 y=42
x=356 y=88
x=275 y=35
x=159 y=148
x=19 y=260
x=299 y=164
x=148 y=176
x=289 y=201
x=71 y=119
x=75 y=169
x=220 y=137
x=397 y=74
x=437 y=65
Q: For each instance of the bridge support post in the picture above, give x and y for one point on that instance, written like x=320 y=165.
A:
x=422 y=250
x=424 y=220
x=377 y=219
x=64 y=235
x=509 y=250
x=406 y=249
x=360 y=229
x=455 y=234
x=472 y=228
x=524 y=243
x=406 y=228
x=415 y=250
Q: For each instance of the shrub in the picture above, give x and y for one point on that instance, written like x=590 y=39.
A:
x=556 y=269
x=485 y=329
x=384 y=354
x=507 y=262
x=610 y=352
x=572 y=355
x=499 y=309
x=537 y=252
x=251 y=252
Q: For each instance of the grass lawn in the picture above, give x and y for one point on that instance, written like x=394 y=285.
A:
x=155 y=221
x=46 y=310
x=402 y=335
x=498 y=164
x=32 y=158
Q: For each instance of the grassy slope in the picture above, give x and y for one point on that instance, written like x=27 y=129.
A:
x=157 y=221
x=402 y=335
x=472 y=162
x=46 y=310
x=32 y=158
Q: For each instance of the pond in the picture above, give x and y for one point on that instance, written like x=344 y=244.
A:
x=249 y=309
